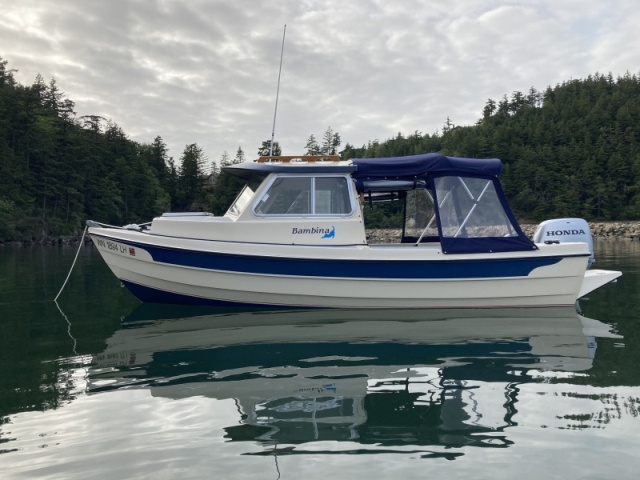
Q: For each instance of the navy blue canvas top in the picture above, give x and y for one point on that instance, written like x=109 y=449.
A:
x=408 y=167
x=420 y=165
x=376 y=173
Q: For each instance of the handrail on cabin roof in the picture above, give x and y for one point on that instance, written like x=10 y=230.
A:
x=296 y=158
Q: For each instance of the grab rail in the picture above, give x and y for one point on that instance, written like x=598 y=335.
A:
x=298 y=158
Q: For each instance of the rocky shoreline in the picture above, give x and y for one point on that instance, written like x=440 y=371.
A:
x=628 y=230
x=599 y=230
x=57 y=240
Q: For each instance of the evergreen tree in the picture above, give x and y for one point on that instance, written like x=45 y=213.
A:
x=239 y=158
x=489 y=109
x=172 y=184
x=265 y=149
x=350 y=152
x=448 y=126
x=158 y=156
x=330 y=142
x=191 y=177
x=226 y=186
x=225 y=159
x=312 y=147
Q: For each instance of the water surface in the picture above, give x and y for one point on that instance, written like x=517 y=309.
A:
x=100 y=386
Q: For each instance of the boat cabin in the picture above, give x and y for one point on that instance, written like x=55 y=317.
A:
x=457 y=203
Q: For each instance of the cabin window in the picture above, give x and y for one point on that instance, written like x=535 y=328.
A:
x=419 y=216
x=469 y=207
x=306 y=196
x=241 y=201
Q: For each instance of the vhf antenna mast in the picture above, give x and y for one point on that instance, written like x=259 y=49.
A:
x=275 y=112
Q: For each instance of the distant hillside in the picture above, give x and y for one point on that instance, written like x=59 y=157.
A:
x=572 y=150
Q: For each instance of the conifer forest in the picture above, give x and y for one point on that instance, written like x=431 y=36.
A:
x=571 y=150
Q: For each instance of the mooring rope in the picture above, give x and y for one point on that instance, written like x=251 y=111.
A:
x=72 y=265
x=73 y=339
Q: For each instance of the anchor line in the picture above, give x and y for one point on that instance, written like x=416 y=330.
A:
x=72 y=265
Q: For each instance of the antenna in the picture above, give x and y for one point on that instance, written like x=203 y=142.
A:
x=275 y=112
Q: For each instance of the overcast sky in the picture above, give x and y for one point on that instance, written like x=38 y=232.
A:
x=206 y=71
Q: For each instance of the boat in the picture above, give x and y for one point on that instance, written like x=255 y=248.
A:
x=295 y=237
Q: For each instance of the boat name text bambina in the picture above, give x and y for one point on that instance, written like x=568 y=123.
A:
x=310 y=231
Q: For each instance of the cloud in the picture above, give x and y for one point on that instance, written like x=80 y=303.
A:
x=205 y=71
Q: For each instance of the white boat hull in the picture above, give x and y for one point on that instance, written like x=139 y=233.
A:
x=176 y=270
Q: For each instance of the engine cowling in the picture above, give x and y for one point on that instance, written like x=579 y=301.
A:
x=562 y=230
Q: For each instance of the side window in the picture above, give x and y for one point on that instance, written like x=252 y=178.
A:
x=287 y=196
x=471 y=208
x=420 y=215
x=332 y=196
x=306 y=196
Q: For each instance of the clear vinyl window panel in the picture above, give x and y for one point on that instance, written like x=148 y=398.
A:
x=470 y=208
x=420 y=215
x=300 y=196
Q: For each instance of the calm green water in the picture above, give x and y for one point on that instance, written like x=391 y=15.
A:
x=102 y=387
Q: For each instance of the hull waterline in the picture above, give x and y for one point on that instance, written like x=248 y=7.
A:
x=365 y=277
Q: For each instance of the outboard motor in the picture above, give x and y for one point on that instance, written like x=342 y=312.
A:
x=561 y=230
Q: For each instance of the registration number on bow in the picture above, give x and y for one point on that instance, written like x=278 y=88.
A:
x=116 y=247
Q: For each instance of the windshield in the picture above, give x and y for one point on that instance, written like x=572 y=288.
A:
x=470 y=208
x=241 y=201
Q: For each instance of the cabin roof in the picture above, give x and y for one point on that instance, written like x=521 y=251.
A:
x=408 y=167
x=249 y=170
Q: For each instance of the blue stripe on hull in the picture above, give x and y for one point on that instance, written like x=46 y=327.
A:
x=338 y=268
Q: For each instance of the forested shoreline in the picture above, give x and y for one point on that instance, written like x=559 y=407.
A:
x=570 y=150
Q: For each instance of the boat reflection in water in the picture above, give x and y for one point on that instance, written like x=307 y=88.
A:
x=447 y=377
